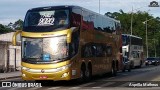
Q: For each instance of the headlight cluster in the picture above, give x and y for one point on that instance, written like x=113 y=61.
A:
x=63 y=67
x=46 y=70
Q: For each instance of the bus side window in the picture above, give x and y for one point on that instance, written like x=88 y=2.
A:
x=33 y=19
x=138 y=54
x=93 y=49
x=135 y=54
x=86 y=51
x=99 y=51
x=103 y=50
x=75 y=43
x=108 y=50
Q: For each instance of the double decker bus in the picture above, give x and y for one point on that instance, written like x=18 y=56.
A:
x=132 y=48
x=68 y=42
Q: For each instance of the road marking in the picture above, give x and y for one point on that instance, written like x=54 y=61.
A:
x=106 y=79
x=96 y=87
x=12 y=89
x=106 y=84
x=74 y=88
x=53 y=88
x=84 y=85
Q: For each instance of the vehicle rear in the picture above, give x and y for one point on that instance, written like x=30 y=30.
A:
x=152 y=61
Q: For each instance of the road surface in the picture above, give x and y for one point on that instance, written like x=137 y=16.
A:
x=145 y=78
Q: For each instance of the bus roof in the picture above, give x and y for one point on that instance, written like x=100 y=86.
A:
x=71 y=6
x=54 y=7
x=131 y=36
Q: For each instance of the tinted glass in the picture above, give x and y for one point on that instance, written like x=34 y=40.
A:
x=46 y=20
x=44 y=49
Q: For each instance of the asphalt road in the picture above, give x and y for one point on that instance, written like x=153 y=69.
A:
x=145 y=78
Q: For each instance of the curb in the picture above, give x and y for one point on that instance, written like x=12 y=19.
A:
x=10 y=77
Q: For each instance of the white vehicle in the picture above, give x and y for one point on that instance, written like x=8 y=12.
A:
x=132 y=47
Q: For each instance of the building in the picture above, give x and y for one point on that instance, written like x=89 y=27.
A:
x=10 y=56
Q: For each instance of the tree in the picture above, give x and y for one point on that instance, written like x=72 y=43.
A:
x=138 y=28
x=17 y=25
x=4 y=29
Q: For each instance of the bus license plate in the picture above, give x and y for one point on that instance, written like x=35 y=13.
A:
x=43 y=77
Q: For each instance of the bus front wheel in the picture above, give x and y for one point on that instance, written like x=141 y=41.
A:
x=86 y=74
x=82 y=77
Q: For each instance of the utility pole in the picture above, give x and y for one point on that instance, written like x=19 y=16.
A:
x=131 y=20
x=146 y=38
x=145 y=22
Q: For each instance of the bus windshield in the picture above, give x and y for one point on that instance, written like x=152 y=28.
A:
x=41 y=50
x=47 y=20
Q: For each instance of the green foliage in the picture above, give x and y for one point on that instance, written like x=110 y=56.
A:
x=139 y=28
x=11 y=27
x=4 y=29
x=18 y=25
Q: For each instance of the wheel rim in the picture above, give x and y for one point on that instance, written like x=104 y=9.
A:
x=112 y=71
x=82 y=74
x=87 y=73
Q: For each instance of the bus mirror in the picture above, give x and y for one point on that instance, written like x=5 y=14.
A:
x=14 y=38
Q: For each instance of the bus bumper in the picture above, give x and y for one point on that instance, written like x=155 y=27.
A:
x=60 y=75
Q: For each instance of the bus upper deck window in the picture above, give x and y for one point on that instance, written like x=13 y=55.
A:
x=61 y=17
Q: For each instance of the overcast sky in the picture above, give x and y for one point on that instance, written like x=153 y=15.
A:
x=12 y=10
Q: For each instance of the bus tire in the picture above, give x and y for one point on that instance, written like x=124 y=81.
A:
x=113 y=71
x=132 y=65
x=129 y=69
x=140 y=65
x=88 y=72
x=82 y=74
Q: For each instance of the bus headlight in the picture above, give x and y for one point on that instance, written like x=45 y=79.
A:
x=23 y=75
x=25 y=68
x=63 y=67
x=65 y=75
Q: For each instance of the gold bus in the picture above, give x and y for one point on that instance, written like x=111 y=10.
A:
x=68 y=42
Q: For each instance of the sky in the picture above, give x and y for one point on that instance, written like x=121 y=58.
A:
x=12 y=10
